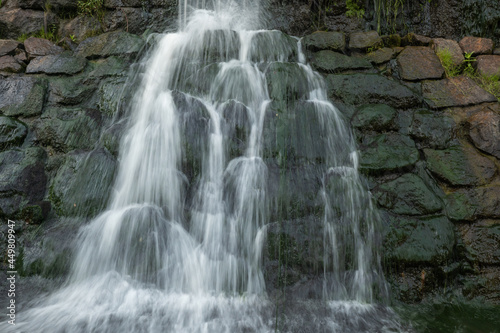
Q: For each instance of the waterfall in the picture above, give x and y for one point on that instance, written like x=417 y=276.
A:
x=180 y=246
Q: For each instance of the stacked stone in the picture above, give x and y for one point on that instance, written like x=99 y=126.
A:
x=430 y=148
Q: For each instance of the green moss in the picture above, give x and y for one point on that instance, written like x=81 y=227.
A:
x=446 y=59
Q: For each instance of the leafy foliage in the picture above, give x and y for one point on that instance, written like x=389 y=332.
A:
x=90 y=7
x=353 y=9
x=446 y=59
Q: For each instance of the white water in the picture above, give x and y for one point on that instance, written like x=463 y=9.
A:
x=155 y=261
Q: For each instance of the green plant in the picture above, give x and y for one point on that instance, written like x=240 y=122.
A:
x=469 y=70
x=73 y=38
x=50 y=33
x=22 y=38
x=389 y=11
x=91 y=7
x=449 y=66
x=353 y=9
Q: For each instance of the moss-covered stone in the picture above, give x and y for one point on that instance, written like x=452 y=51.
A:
x=12 y=132
x=408 y=195
x=370 y=88
x=431 y=129
x=470 y=204
x=70 y=90
x=323 y=40
x=333 y=62
x=117 y=43
x=22 y=96
x=460 y=165
x=377 y=117
x=387 y=152
x=424 y=240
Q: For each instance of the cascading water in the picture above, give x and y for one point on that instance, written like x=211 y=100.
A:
x=179 y=248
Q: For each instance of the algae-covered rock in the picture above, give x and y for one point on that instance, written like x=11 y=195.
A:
x=325 y=40
x=82 y=185
x=470 y=204
x=22 y=96
x=408 y=195
x=431 y=129
x=370 y=88
x=482 y=241
x=377 y=117
x=66 y=129
x=419 y=240
x=387 y=152
x=460 y=165
x=12 y=132
x=333 y=62
x=64 y=63
x=117 y=43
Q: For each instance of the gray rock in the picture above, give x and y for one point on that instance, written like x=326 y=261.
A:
x=8 y=46
x=455 y=91
x=10 y=64
x=432 y=130
x=116 y=43
x=12 y=132
x=82 y=185
x=22 y=179
x=81 y=27
x=423 y=240
x=333 y=62
x=381 y=56
x=460 y=165
x=16 y=22
x=322 y=40
x=485 y=131
x=482 y=241
x=37 y=47
x=70 y=90
x=68 y=129
x=22 y=96
x=64 y=63
x=111 y=94
x=369 y=88
x=377 y=117
x=362 y=41
x=387 y=152
x=407 y=195
x=419 y=63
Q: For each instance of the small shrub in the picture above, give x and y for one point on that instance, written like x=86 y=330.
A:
x=353 y=9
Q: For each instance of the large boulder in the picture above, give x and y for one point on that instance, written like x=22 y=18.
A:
x=460 y=165
x=387 y=152
x=370 y=88
x=476 y=45
x=10 y=64
x=364 y=40
x=482 y=241
x=484 y=131
x=15 y=22
x=415 y=241
x=377 y=117
x=419 y=63
x=12 y=132
x=66 y=129
x=8 y=46
x=64 y=63
x=38 y=47
x=470 y=204
x=82 y=185
x=455 y=91
x=488 y=65
x=432 y=130
x=323 y=40
x=451 y=46
x=22 y=179
x=407 y=195
x=22 y=96
x=117 y=43
x=333 y=62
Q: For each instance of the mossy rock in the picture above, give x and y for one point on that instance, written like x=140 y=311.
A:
x=377 y=117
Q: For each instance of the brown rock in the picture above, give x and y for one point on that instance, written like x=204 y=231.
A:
x=419 y=63
x=496 y=51
x=381 y=55
x=476 y=45
x=455 y=91
x=482 y=240
x=412 y=39
x=36 y=47
x=20 y=56
x=440 y=44
x=9 y=64
x=485 y=132
x=488 y=65
x=7 y=46
x=361 y=41
x=16 y=22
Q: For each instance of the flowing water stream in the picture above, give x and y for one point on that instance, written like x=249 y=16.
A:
x=180 y=246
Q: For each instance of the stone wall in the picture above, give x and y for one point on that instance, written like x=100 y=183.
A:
x=428 y=144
